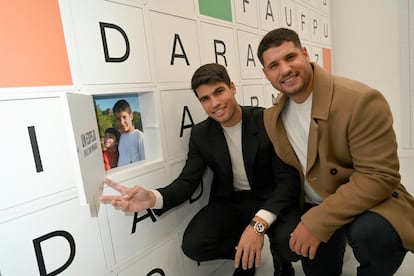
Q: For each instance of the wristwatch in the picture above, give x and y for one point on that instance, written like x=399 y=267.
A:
x=258 y=227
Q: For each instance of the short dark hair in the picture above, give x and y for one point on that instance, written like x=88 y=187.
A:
x=209 y=73
x=121 y=105
x=275 y=38
x=113 y=131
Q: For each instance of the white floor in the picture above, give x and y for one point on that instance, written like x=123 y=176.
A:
x=349 y=269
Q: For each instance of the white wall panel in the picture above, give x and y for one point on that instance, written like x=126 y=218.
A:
x=133 y=232
x=315 y=31
x=181 y=109
x=185 y=8
x=65 y=238
x=269 y=14
x=163 y=260
x=246 y=12
x=218 y=45
x=288 y=14
x=125 y=42
x=315 y=54
x=270 y=95
x=303 y=21
x=249 y=63
x=326 y=31
x=175 y=47
x=24 y=180
x=324 y=6
x=253 y=95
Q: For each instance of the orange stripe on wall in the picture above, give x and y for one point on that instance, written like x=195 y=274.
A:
x=327 y=59
x=32 y=47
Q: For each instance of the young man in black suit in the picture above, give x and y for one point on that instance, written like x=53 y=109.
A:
x=251 y=191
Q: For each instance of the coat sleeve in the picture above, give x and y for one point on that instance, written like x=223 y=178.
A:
x=286 y=193
x=187 y=182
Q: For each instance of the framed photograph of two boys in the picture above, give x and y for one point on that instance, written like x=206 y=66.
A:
x=120 y=129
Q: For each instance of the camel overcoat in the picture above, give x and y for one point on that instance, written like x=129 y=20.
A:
x=352 y=157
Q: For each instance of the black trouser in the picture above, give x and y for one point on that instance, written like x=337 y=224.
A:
x=215 y=231
x=375 y=244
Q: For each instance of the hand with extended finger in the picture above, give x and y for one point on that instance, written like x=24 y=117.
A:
x=131 y=199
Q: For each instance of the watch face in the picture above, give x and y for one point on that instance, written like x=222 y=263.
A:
x=259 y=227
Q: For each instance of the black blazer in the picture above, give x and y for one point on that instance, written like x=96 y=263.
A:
x=271 y=180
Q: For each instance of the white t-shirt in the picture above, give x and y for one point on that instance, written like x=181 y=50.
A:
x=296 y=118
x=131 y=147
x=233 y=138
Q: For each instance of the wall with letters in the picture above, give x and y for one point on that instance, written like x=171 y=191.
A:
x=56 y=56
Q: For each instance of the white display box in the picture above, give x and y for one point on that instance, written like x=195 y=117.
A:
x=131 y=233
x=111 y=39
x=62 y=238
x=181 y=109
x=49 y=150
x=162 y=260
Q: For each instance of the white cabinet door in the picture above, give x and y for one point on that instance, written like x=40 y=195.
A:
x=35 y=160
x=63 y=239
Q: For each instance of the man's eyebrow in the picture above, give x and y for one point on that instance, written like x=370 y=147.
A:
x=221 y=87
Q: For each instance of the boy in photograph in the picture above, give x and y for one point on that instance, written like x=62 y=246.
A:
x=110 y=153
x=131 y=143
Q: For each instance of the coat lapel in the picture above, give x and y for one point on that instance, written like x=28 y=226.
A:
x=219 y=147
x=250 y=143
x=285 y=150
x=312 y=145
x=321 y=104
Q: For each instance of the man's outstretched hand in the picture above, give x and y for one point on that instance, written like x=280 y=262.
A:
x=132 y=199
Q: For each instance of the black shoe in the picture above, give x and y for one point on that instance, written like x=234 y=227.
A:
x=285 y=269
x=241 y=272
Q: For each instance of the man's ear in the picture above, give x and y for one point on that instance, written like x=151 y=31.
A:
x=232 y=87
x=306 y=53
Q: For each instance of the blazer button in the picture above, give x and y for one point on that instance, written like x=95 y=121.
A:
x=395 y=194
x=334 y=171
